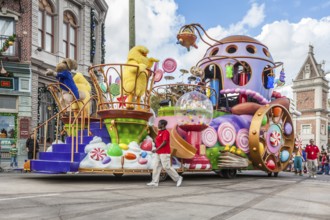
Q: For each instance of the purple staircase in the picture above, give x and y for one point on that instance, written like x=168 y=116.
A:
x=59 y=161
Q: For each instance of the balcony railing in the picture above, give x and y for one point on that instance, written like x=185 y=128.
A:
x=11 y=52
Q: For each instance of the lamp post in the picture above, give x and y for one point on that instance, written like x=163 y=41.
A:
x=131 y=23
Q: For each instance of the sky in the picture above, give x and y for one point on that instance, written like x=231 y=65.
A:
x=287 y=28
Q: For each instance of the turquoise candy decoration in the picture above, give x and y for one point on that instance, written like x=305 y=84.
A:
x=284 y=156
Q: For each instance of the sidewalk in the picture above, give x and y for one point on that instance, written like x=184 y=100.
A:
x=5 y=164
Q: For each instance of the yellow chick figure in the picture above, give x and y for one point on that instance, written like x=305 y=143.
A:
x=83 y=86
x=135 y=80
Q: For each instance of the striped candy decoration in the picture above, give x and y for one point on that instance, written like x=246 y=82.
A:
x=242 y=140
x=198 y=166
x=226 y=134
x=209 y=137
x=98 y=154
x=275 y=138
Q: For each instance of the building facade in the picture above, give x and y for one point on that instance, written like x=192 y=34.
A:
x=310 y=92
x=46 y=31
x=15 y=74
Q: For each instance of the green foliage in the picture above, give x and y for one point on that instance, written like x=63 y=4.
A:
x=6 y=44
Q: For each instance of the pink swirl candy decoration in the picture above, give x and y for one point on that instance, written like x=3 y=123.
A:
x=158 y=75
x=98 y=154
x=242 y=140
x=169 y=65
x=209 y=137
x=275 y=138
x=226 y=134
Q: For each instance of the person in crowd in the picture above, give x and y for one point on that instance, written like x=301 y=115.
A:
x=30 y=147
x=298 y=160
x=13 y=155
x=304 y=159
x=163 y=156
x=324 y=164
x=312 y=152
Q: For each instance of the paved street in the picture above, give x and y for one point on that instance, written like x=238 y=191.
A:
x=251 y=195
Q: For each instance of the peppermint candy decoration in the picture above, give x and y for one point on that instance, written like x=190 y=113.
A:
x=298 y=143
x=242 y=140
x=275 y=138
x=226 y=134
x=209 y=137
x=98 y=154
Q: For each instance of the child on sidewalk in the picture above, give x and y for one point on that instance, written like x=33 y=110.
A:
x=13 y=155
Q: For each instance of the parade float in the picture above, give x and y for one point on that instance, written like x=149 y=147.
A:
x=226 y=117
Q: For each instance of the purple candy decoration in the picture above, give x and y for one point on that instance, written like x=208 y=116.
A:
x=106 y=160
x=287 y=128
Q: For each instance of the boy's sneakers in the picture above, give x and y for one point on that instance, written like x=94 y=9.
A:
x=178 y=183
x=152 y=184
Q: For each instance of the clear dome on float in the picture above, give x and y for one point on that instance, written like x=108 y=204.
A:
x=194 y=108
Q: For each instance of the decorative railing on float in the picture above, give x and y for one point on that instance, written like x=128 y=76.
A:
x=67 y=114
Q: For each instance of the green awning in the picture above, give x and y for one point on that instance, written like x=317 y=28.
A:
x=15 y=67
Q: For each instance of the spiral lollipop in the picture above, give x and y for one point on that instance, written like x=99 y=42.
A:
x=226 y=134
x=209 y=137
x=242 y=140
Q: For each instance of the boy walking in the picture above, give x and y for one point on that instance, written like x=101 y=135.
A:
x=13 y=155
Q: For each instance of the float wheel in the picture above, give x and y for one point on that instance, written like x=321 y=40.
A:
x=163 y=176
x=271 y=138
x=228 y=173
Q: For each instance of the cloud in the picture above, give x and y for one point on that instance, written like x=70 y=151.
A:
x=288 y=42
x=157 y=24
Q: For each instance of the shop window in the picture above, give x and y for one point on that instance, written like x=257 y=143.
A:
x=70 y=35
x=8 y=128
x=46 y=26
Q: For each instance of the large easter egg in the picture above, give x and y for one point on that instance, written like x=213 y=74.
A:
x=146 y=145
x=115 y=150
x=123 y=146
x=264 y=120
x=144 y=154
x=106 y=160
x=130 y=156
x=287 y=128
x=271 y=164
x=142 y=161
x=261 y=148
x=284 y=155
